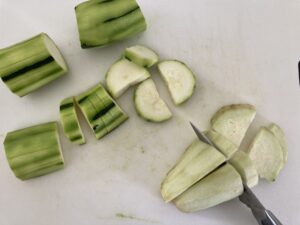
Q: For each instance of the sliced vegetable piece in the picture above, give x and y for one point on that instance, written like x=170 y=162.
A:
x=100 y=110
x=243 y=164
x=101 y=22
x=123 y=74
x=31 y=64
x=266 y=154
x=223 y=144
x=233 y=121
x=220 y=186
x=148 y=103
x=179 y=79
x=34 y=151
x=197 y=161
x=69 y=120
x=141 y=55
x=279 y=134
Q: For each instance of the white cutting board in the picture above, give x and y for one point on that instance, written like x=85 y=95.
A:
x=241 y=52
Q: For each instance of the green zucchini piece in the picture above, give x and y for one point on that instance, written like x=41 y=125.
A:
x=31 y=64
x=100 y=110
x=197 y=161
x=233 y=121
x=123 y=74
x=34 y=151
x=226 y=147
x=243 y=164
x=141 y=55
x=279 y=134
x=220 y=186
x=266 y=154
x=180 y=80
x=69 y=120
x=101 y=22
x=148 y=103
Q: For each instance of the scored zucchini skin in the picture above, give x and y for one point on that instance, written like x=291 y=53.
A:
x=141 y=55
x=29 y=65
x=101 y=22
x=69 y=120
x=100 y=110
x=34 y=151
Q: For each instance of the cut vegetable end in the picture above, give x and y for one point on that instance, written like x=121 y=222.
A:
x=141 y=55
x=179 y=79
x=197 y=161
x=266 y=154
x=123 y=74
x=233 y=121
x=148 y=103
x=30 y=155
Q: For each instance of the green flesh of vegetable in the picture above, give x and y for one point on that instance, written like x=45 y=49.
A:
x=31 y=64
x=101 y=111
x=141 y=55
x=101 y=22
x=70 y=121
x=34 y=151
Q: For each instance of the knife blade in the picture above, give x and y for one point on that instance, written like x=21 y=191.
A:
x=262 y=215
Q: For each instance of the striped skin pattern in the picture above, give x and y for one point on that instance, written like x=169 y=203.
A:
x=31 y=64
x=101 y=111
x=101 y=22
x=70 y=121
x=34 y=151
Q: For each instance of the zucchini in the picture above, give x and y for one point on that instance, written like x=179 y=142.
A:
x=34 y=151
x=279 y=134
x=197 y=161
x=148 y=103
x=101 y=22
x=266 y=154
x=179 y=79
x=243 y=164
x=233 y=121
x=226 y=147
x=31 y=64
x=100 y=110
x=123 y=74
x=220 y=186
x=141 y=55
x=69 y=120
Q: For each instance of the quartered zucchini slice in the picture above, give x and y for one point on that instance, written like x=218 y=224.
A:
x=141 y=55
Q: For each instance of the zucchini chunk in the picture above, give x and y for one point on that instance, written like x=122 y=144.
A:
x=148 y=103
x=34 y=151
x=233 y=121
x=31 y=64
x=123 y=74
x=69 y=120
x=179 y=79
x=197 y=161
x=101 y=22
x=141 y=55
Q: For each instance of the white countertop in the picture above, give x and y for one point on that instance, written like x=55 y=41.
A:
x=241 y=51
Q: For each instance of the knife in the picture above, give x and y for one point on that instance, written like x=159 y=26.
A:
x=262 y=215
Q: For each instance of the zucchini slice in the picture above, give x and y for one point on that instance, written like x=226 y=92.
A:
x=233 y=121
x=179 y=79
x=141 y=55
x=100 y=110
x=266 y=154
x=226 y=147
x=101 y=22
x=123 y=74
x=220 y=186
x=69 y=120
x=197 y=161
x=31 y=64
x=243 y=164
x=34 y=151
x=279 y=134
x=148 y=103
